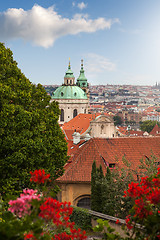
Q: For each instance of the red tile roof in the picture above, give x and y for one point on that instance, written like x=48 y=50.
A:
x=80 y=123
x=69 y=132
x=123 y=130
x=105 y=151
x=155 y=131
x=135 y=133
x=72 y=148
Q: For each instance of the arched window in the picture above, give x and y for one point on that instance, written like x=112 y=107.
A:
x=74 y=112
x=62 y=115
x=84 y=203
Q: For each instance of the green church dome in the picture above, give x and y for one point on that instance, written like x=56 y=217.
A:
x=69 y=92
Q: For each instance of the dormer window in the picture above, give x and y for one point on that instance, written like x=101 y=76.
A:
x=61 y=93
x=112 y=165
x=75 y=94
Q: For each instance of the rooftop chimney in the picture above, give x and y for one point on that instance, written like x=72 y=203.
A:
x=76 y=137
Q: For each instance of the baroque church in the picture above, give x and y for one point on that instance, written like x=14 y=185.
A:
x=73 y=98
x=92 y=138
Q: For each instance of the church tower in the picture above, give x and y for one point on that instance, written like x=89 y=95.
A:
x=69 y=77
x=82 y=81
x=71 y=98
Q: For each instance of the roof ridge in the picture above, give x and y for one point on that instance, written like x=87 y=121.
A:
x=65 y=133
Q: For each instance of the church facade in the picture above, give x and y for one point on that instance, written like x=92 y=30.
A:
x=72 y=98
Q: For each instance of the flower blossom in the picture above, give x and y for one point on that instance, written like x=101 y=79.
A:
x=39 y=176
x=21 y=206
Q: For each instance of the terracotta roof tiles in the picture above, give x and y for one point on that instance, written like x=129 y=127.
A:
x=79 y=123
x=106 y=151
x=155 y=131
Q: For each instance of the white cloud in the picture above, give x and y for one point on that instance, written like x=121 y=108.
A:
x=131 y=31
x=98 y=68
x=43 y=26
x=96 y=63
x=82 y=5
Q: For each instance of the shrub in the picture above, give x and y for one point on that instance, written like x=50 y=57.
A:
x=82 y=218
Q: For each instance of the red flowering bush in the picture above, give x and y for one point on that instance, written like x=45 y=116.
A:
x=146 y=209
x=143 y=223
x=36 y=215
x=39 y=176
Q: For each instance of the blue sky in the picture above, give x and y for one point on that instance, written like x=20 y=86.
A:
x=119 y=40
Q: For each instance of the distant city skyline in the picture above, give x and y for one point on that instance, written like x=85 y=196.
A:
x=118 y=40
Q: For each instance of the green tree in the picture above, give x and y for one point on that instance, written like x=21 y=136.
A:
x=96 y=188
x=117 y=120
x=108 y=194
x=148 y=125
x=30 y=136
x=93 y=182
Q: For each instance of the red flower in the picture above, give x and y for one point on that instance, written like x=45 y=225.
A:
x=128 y=222
x=39 y=176
x=29 y=236
x=158 y=236
x=56 y=211
x=117 y=221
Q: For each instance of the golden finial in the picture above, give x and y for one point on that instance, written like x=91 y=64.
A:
x=69 y=63
x=82 y=62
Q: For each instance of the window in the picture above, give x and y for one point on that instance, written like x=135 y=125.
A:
x=102 y=127
x=84 y=110
x=74 y=112
x=62 y=115
x=75 y=94
x=84 y=203
x=61 y=93
x=112 y=165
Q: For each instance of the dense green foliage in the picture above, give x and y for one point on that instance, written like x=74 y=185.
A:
x=96 y=190
x=117 y=120
x=108 y=197
x=107 y=192
x=148 y=125
x=50 y=89
x=30 y=137
x=82 y=218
